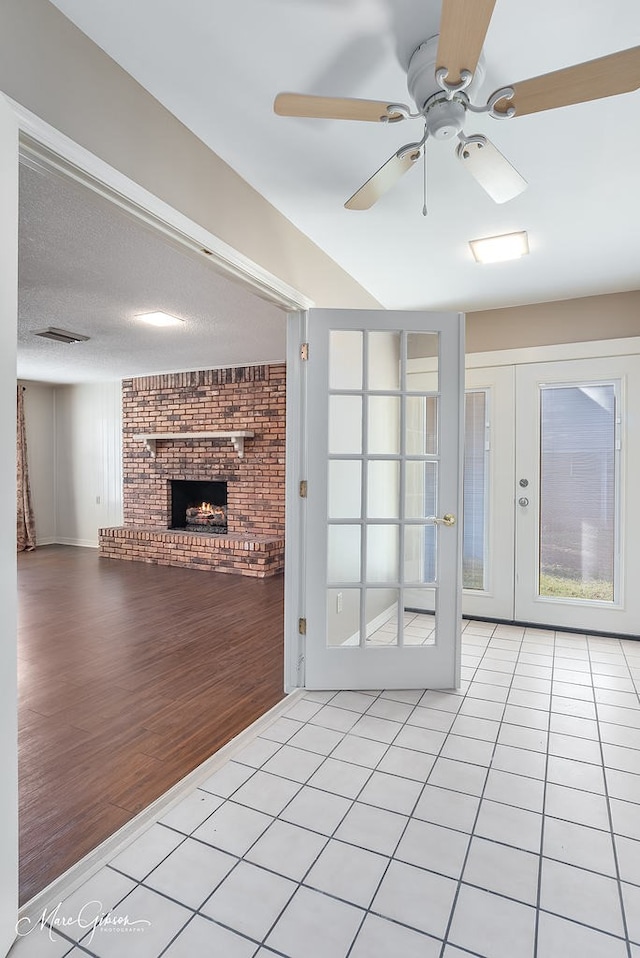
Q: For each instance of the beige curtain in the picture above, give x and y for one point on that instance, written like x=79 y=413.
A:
x=26 y=523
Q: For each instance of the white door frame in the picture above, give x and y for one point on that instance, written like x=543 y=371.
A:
x=39 y=139
x=8 y=596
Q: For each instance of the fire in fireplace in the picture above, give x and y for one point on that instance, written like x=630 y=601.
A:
x=199 y=506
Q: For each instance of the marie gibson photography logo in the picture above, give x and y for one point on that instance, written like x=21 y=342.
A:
x=91 y=916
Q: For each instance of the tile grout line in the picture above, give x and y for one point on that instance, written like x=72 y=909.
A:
x=611 y=829
x=544 y=808
x=445 y=940
x=410 y=818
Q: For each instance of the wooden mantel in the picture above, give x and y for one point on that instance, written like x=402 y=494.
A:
x=235 y=436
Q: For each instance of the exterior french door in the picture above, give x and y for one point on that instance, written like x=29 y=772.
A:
x=576 y=511
x=550 y=518
x=380 y=588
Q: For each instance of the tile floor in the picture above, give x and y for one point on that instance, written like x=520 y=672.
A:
x=500 y=821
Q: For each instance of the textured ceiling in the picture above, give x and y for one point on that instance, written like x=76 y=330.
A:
x=87 y=266
x=218 y=65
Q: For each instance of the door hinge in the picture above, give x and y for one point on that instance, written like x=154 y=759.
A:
x=304 y=352
x=302 y=626
x=303 y=488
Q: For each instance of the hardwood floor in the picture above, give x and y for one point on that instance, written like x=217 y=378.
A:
x=130 y=675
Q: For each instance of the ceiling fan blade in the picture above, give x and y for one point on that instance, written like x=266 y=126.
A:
x=491 y=169
x=335 y=108
x=463 y=27
x=382 y=180
x=593 y=80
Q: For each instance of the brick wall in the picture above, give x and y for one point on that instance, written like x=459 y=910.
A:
x=246 y=397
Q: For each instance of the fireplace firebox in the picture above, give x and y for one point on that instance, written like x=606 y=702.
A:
x=199 y=506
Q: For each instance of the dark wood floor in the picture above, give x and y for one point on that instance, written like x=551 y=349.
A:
x=130 y=675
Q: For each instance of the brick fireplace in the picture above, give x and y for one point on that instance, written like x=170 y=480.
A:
x=223 y=427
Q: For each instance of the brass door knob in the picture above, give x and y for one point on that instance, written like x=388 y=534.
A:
x=448 y=519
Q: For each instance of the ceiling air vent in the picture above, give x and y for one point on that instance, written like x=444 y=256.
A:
x=62 y=335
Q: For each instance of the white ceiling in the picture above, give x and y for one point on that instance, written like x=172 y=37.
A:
x=218 y=65
x=88 y=267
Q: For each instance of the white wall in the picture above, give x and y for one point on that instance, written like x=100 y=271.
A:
x=88 y=461
x=74 y=439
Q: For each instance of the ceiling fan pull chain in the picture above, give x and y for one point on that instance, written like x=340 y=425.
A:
x=424 y=180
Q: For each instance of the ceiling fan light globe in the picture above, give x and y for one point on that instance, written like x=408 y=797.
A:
x=495 y=174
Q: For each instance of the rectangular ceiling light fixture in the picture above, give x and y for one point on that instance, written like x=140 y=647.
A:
x=498 y=249
x=62 y=335
x=159 y=319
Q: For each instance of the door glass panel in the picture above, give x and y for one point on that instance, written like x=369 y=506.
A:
x=418 y=628
x=384 y=361
x=383 y=489
x=343 y=617
x=381 y=611
x=474 y=490
x=343 y=561
x=421 y=425
x=577 y=491
x=345 y=359
x=420 y=489
x=425 y=347
x=420 y=543
x=383 y=544
x=345 y=424
x=345 y=481
x=384 y=425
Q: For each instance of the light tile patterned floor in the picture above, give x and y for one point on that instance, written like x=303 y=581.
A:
x=500 y=821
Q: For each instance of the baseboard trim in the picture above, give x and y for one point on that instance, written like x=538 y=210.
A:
x=84 y=543
x=74 y=877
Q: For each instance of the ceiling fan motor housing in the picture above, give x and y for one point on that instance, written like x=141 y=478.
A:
x=444 y=117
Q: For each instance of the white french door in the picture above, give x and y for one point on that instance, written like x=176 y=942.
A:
x=577 y=512
x=550 y=514
x=488 y=510
x=380 y=587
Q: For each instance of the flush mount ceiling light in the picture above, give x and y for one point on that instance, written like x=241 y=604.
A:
x=159 y=318
x=498 y=249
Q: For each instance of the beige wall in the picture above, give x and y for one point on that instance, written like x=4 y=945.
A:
x=51 y=68
x=614 y=316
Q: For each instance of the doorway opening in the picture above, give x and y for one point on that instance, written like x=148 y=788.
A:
x=88 y=453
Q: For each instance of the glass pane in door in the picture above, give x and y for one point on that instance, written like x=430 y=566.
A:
x=577 y=491
x=343 y=617
x=345 y=359
x=383 y=364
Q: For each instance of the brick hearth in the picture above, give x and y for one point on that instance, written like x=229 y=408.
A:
x=243 y=398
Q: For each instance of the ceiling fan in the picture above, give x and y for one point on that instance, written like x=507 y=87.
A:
x=442 y=74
